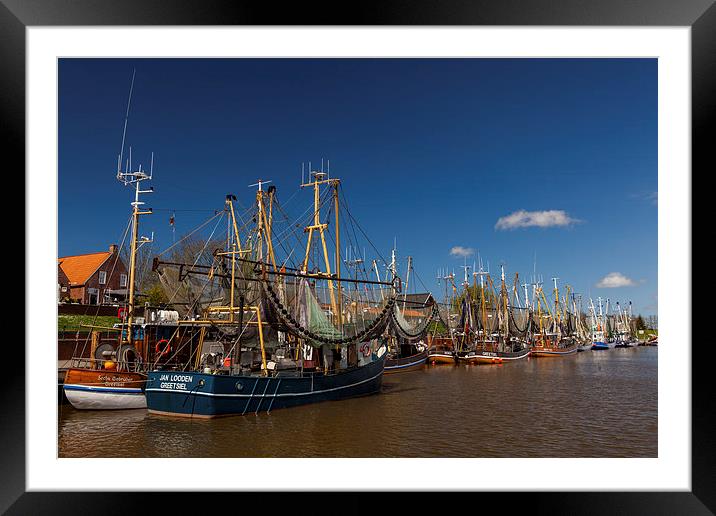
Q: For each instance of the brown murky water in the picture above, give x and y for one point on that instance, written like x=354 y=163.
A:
x=592 y=404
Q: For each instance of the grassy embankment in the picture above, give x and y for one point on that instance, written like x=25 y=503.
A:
x=647 y=334
x=76 y=322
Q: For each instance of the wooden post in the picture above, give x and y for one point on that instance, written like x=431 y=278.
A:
x=93 y=347
x=261 y=340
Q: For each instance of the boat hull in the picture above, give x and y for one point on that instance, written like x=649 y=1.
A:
x=494 y=357
x=404 y=364
x=547 y=352
x=89 y=389
x=202 y=395
x=441 y=358
x=599 y=346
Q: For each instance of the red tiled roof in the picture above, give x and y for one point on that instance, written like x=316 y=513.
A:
x=79 y=268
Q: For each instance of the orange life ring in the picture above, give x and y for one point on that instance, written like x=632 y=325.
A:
x=120 y=313
x=163 y=352
x=365 y=349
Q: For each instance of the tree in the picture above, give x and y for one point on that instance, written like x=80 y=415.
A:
x=475 y=296
x=143 y=275
x=155 y=295
x=639 y=323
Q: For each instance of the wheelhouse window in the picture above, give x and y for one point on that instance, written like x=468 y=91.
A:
x=102 y=277
x=122 y=280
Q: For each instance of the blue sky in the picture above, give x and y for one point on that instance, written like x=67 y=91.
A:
x=430 y=151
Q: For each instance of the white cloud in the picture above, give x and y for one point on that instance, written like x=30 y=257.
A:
x=652 y=197
x=615 y=280
x=459 y=250
x=540 y=219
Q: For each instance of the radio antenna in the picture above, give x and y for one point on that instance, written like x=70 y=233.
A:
x=126 y=117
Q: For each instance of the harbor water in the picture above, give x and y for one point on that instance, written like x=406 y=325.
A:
x=591 y=404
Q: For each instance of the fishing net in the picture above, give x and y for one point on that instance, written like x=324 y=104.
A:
x=519 y=321
x=490 y=320
x=311 y=316
x=410 y=330
x=308 y=320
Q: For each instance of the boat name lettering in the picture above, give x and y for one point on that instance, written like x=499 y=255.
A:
x=175 y=382
x=115 y=379
x=176 y=378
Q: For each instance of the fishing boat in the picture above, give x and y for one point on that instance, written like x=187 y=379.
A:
x=441 y=350
x=112 y=378
x=581 y=332
x=406 y=363
x=625 y=337
x=441 y=340
x=599 y=345
x=113 y=374
x=316 y=333
x=553 y=337
x=584 y=346
x=409 y=322
x=504 y=326
x=597 y=326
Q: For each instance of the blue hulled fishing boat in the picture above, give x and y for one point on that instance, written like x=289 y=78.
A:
x=275 y=333
x=211 y=395
x=598 y=324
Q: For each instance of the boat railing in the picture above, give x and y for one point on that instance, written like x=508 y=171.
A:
x=138 y=366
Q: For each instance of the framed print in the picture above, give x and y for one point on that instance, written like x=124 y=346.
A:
x=420 y=249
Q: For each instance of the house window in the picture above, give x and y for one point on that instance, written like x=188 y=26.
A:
x=102 y=277
x=122 y=280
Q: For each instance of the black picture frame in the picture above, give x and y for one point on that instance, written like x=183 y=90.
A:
x=700 y=15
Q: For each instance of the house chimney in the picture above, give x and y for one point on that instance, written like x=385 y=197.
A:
x=112 y=248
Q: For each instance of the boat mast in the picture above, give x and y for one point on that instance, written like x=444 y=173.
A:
x=483 y=309
x=407 y=280
x=556 y=303
x=263 y=232
x=235 y=248
x=135 y=179
x=320 y=178
x=505 y=314
x=334 y=184
x=377 y=277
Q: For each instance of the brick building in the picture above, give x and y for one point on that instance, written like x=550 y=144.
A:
x=63 y=284
x=95 y=278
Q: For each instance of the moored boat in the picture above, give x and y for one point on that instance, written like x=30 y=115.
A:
x=552 y=339
x=597 y=326
x=652 y=341
x=409 y=323
x=88 y=389
x=207 y=395
x=406 y=363
x=441 y=351
x=114 y=378
x=494 y=357
x=551 y=345
x=315 y=340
